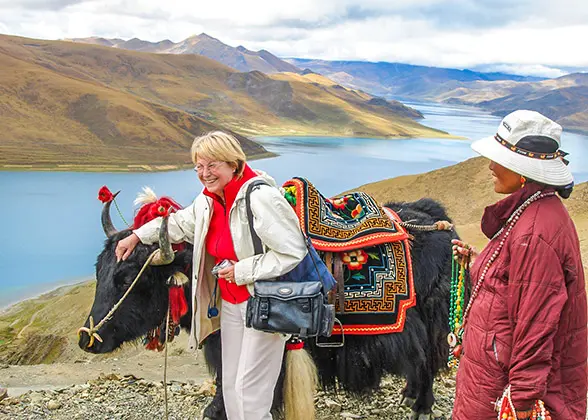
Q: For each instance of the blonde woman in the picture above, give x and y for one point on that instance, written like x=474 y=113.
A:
x=216 y=224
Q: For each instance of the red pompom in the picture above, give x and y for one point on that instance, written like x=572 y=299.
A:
x=105 y=195
x=160 y=208
x=297 y=345
x=177 y=303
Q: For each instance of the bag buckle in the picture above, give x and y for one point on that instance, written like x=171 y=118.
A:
x=332 y=344
x=264 y=309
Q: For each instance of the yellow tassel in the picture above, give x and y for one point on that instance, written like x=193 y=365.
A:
x=178 y=279
x=299 y=385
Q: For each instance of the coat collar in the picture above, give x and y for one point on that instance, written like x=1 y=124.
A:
x=232 y=188
x=496 y=215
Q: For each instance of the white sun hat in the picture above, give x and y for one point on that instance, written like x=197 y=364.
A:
x=528 y=143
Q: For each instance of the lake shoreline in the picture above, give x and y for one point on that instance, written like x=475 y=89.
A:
x=59 y=288
x=130 y=168
x=152 y=168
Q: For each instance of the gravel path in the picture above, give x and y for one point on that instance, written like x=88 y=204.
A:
x=112 y=396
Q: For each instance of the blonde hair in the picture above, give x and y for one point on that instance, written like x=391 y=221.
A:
x=222 y=147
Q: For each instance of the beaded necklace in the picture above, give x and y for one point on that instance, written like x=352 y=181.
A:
x=457 y=318
x=459 y=273
x=506 y=409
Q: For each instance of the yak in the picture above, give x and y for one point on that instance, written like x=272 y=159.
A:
x=417 y=353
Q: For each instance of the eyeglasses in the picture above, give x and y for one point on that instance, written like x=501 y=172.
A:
x=211 y=167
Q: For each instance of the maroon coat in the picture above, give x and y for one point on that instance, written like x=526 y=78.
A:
x=527 y=327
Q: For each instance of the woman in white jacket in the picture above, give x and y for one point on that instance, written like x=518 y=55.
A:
x=216 y=224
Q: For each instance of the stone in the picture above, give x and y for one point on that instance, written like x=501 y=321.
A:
x=348 y=416
x=333 y=405
x=207 y=388
x=53 y=405
x=36 y=397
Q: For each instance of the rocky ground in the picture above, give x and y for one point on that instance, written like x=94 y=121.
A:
x=115 y=396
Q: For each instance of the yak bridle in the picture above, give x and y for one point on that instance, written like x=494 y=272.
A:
x=164 y=255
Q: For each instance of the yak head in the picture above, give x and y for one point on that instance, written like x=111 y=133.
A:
x=144 y=308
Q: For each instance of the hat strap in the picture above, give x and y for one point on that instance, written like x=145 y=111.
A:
x=542 y=156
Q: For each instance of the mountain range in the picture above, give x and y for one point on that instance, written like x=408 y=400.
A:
x=564 y=99
x=239 y=58
x=65 y=103
x=397 y=79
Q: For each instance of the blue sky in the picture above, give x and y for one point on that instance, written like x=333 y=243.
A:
x=539 y=37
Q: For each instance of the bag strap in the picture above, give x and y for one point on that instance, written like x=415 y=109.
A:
x=257 y=245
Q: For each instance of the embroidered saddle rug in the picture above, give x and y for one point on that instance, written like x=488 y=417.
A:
x=366 y=250
x=341 y=223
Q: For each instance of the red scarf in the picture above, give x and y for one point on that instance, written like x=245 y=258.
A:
x=219 y=242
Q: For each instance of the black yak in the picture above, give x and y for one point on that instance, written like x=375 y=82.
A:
x=417 y=353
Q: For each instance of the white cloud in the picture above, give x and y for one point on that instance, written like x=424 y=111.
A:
x=526 y=69
x=531 y=36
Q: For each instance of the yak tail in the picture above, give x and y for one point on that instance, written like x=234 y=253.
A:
x=300 y=385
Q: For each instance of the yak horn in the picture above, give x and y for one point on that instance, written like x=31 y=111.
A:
x=107 y=225
x=165 y=253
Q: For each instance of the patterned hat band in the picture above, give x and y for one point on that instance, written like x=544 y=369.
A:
x=535 y=155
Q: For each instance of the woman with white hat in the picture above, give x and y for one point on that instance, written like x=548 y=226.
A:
x=523 y=334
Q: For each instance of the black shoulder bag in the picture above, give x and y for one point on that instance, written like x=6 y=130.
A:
x=296 y=306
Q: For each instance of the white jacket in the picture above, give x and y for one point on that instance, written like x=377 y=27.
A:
x=275 y=223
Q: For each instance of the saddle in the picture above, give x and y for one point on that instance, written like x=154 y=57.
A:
x=367 y=251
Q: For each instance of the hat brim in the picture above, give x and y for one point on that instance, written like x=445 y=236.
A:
x=550 y=172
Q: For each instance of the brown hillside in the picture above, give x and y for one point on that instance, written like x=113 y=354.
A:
x=248 y=103
x=66 y=120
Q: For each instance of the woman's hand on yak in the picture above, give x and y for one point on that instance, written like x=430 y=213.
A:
x=462 y=250
x=125 y=246
x=228 y=273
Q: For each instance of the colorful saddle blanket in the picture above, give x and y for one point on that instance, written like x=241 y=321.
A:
x=342 y=223
x=366 y=249
x=378 y=289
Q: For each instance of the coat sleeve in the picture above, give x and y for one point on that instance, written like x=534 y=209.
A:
x=536 y=296
x=277 y=226
x=180 y=226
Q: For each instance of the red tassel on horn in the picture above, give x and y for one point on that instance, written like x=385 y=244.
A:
x=177 y=303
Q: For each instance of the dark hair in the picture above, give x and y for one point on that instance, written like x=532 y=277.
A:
x=564 y=192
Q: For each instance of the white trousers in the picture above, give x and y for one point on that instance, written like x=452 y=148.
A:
x=252 y=361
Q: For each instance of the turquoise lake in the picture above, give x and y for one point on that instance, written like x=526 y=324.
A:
x=51 y=232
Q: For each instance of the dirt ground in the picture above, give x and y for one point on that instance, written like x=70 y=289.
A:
x=183 y=367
